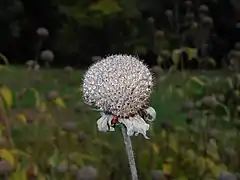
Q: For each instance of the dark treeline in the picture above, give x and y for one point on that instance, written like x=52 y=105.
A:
x=80 y=29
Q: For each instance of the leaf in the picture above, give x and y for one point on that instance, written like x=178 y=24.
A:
x=167 y=168
x=173 y=143
x=37 y=96
x=106 y=7
x=22 y=117
x=42 y=106
x=54 y=159
x=155 y=148
x=191 y=52
x=176 y=54
x=7 y=155
x=59 y=102
x=7 y=95
x=197 y=80
x=19 y=174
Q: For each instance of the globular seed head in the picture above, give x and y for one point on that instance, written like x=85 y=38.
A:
x=47 y=55
x=119 y=84
x=42 y=32
x=87 y=173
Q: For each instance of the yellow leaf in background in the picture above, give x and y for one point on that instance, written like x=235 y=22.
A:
x=155 y=148
x=22 y=117
x=2 y=127
x=173 y=143
x=37 y=96
x=42 y=106
x=197 y=80
x=7 y=155
x=191 y=52
x=41 y=177
x=7 y=95
x=167 y=168
x=176 y=56
x=19 y=174
x=59 y=102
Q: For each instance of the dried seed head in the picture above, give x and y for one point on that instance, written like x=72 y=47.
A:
x=188 y=3
x=119 y=84
x=68 y=69
x=194 y=25
x=207 y=20
x=69 y=126
x=169 y=13
x=156 y=69
x=227 y=176
x=30 y=63
x=203 y=8
x=159 y=33
x=151 y=20
x=42 y=32
x=87 y=173
x=188 y=105
x=52 y=95
x=47 y=55
x=96 y=58
x=220 y=98
x=209 y=101
x=157 y=175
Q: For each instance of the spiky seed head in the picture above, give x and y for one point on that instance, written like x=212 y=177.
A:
x=119 y=84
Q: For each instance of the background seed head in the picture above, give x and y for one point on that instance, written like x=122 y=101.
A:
x=47 y=55
x=87 y=173
x=42 y=32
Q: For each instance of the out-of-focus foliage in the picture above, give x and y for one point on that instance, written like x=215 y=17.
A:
x=82 y=29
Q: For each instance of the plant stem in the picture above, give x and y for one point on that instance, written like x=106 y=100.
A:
x=129 y=150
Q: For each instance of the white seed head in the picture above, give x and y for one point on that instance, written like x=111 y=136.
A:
x=119 y=84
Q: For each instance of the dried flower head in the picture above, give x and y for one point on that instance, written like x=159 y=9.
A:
x=203 y=8
x=87 y=173
x=169 y=13
x=227 y=176
x=207 y=20
x=119 y=86
x=42 y=32
x=151 y=20
x=47 y=55
x=237 y=46
x=159 y=33
x=188 y=3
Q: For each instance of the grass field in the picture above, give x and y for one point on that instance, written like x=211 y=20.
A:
x=164 y=99
x=101 y=148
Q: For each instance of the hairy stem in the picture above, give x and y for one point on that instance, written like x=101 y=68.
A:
x=129 y=150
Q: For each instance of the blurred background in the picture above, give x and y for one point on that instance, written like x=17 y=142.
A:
x=79 y=30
